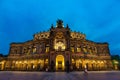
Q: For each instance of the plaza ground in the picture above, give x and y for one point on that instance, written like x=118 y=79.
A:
x=92 y=75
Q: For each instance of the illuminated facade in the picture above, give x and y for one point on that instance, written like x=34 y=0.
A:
x=57 y=49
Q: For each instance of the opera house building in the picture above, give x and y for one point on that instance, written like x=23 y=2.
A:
x=56 y=50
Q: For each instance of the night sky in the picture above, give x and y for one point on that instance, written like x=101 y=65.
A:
x=98 y=19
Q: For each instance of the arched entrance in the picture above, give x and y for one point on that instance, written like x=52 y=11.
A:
x=60 y=62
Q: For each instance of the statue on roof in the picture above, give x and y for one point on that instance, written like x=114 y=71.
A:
x=59 y=23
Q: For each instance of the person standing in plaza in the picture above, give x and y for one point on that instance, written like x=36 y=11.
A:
x=85 y=70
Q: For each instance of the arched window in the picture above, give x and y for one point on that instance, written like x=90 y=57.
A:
x=59 y=45
x=34 y=50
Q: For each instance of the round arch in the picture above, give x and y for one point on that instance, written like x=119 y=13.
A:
x=60 y=62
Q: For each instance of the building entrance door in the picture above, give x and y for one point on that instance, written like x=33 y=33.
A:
x=60 y=62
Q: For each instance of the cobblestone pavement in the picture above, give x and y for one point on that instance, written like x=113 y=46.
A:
x=92 y=75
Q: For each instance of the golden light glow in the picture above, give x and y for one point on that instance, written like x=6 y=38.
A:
x=20 y=62
x=59 y=45
x=73 y=60
x=13 y=61
x=46 y=61
x=32 y=61
x=78 y=49
x=115 y=61
x=16 y=62
x=84 y=49
x=85 y=66
x=101 y=61
x=33 y=66
x=2 y=62
x=25 y=61
x=72 y=49
x=39 y=61
x=98 y=61
x=47 y=49
x=34 y=50
x=93 y=61
x=80 y=61
x=60 y=62
x=77 y=63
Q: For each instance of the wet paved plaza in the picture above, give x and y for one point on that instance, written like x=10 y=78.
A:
x=92 y=75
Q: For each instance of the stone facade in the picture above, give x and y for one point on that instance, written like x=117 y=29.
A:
x=58 y=49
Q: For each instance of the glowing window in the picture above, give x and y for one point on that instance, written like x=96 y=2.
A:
x=78 y=49
x=34 y=50
x=72 y=49
x=59 y=46
x=85 y=50
x=47 y=49
x=73 y=61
